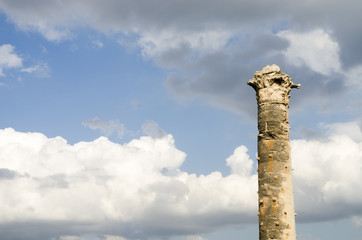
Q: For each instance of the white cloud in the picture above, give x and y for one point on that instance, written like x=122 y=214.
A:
x=49 y=18
x=89 y=236
x=195 y=237
x=112 y=237
x=50 y=32
x=138 y=184
x=357 y=220
x=71 y=238
x=315 y=49
x=40 y=70
x=327 y=174
x=351 y=129
x=211 y=47
x=9 y=59
x=97 y=44
x=56 y=21
x=239 y=162
x=155 y=43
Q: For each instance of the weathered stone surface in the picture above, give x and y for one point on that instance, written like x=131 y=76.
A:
x=276 y=204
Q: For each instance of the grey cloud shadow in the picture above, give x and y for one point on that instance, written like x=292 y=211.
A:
x=7 y=174
x=219 y=78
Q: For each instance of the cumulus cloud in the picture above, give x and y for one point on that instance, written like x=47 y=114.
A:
x=46 y=18
x=9 y=59
x=327 y=174
x=190 y=21
x=55 y=20
x=137 y=189
x=239 y=162
x=351 y=129
x=316 y=49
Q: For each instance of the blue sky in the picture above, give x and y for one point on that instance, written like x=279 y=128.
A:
x=133 y=120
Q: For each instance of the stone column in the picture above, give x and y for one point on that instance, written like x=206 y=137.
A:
x=276 y=204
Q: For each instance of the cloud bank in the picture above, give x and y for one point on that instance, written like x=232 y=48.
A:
x=327 y=174
x=213 y=49
x=132 y=189
x=137 y=189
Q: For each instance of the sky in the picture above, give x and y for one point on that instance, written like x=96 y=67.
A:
x=132 y=120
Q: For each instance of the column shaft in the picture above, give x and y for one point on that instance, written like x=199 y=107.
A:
x=276 y=204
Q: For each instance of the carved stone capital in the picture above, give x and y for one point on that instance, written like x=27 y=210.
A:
x=272 y=85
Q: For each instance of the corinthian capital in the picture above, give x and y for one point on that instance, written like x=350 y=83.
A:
x=271 y=84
